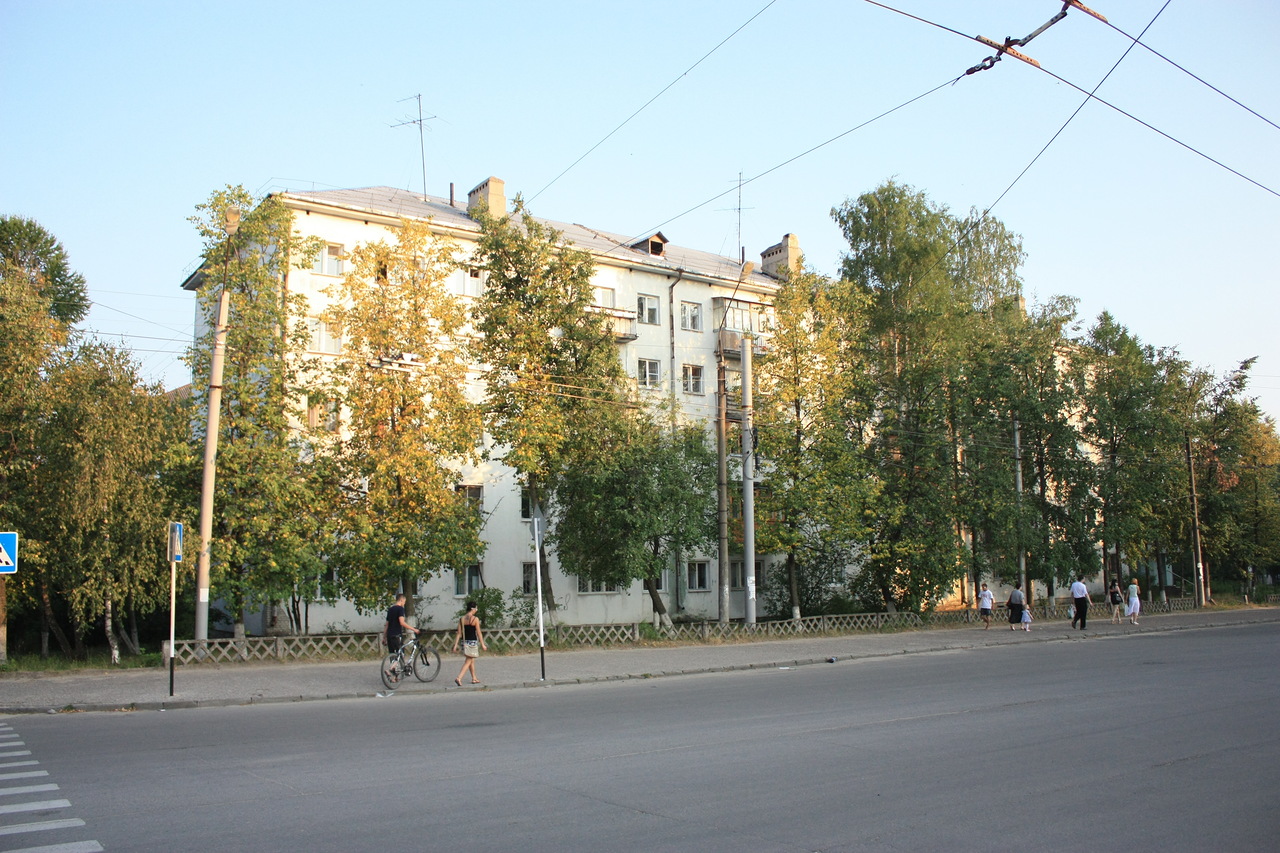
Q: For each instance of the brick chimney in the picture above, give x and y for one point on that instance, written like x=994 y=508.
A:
x=492 y=193
x=785 y=254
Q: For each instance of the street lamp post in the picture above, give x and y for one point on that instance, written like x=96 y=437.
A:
x=230 y=225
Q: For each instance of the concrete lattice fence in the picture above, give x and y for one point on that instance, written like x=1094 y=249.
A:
x=320 y=646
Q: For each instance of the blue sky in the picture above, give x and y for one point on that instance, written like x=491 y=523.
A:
x=120 y=118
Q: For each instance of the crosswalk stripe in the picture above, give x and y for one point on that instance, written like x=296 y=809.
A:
x=27 y=789
x=35 y=807
x=28 y=763
x=16 y=754
x=19 y=828
x=73 y=847
x=25 y=774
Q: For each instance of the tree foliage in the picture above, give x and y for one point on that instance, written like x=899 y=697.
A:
x=553 y=382
x=400 y=517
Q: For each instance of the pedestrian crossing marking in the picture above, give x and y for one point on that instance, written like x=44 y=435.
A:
x=41 y=806
x=27 y=789
x=19 y=828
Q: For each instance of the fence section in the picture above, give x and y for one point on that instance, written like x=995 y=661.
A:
x=314 y=646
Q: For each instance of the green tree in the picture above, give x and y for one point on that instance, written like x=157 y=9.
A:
x=38 y=258
x=102 y=506
x=926 y=276
x=401 y=517
x=553 y=381
x=812 y=422
x=1130 y=393
x=632 y=510
x=265 y=537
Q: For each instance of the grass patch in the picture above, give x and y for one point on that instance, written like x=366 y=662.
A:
x=97 y=659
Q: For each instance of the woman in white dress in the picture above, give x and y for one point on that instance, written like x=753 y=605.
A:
x=1135 y=604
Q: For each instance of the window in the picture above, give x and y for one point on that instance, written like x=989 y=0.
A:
x=473 y=495
x=526 y=507
x=329 y=261
x=324 y=338
x=473 y=282
x=586 y=585
x=698 y=575
x=736 y=579
x=693 y=379
x=647 y=310
x=467 y=581
x=650 y=373
x=738 y=317
x=660 y=582
x=691 y=316
x=605 y=297
x=529 y=580
x=323 y=416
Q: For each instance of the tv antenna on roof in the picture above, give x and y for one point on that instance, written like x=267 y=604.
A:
x=421 y=122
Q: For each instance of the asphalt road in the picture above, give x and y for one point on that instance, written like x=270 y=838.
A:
x=1166 y=741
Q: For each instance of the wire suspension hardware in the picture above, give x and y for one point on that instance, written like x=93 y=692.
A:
x=1007 y=48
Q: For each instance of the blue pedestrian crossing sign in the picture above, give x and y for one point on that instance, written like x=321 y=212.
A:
x=8 y=553
x=175 y=541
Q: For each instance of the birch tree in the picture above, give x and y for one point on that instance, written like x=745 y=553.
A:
x=552 y=377
x=401 y=518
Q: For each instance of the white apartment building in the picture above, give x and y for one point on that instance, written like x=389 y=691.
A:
x=673 y=308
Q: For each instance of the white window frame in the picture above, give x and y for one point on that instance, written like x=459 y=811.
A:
x=329 y=260
x=468 y=580
x=692 y=379
x=528 y=578
x=691 y=316
x=698 y=575
x=323 y=338
x=648 y=310
x=649 y=373
x=473 y=494
x=586 y=586
x=604 y=297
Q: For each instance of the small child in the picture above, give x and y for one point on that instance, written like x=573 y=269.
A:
x=1026 y=618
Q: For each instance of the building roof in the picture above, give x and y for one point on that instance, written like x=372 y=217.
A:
x=389 y=201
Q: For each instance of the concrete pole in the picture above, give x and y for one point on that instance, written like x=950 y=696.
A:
x=748 y=487
x=214 y=415
x=722 y=485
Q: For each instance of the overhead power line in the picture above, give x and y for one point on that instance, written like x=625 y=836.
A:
x=1007 y=48
x=1198 y=79
x=646 y=104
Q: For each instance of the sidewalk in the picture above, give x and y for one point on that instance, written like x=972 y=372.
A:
x=242 y=684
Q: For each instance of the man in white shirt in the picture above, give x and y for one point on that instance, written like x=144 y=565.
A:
x=986 y=604
x=1080 y=597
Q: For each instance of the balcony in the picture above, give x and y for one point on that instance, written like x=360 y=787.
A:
x=621 y=320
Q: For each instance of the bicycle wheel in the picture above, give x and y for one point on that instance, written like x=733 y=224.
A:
x=392 y=671
x=426 y=664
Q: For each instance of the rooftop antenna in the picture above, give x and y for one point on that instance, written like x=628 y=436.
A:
x=742 y=252
x=421 y=122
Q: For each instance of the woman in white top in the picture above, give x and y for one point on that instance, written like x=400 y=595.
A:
x=1135 y=604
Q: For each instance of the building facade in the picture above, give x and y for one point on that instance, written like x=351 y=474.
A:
x=674 y=309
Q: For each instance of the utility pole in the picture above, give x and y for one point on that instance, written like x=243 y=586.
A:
x=231 y=224
x=722 y=482
x=748 y=486
x=1197 y=559
x=1017 y=484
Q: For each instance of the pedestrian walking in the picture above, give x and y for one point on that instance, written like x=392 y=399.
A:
x=1135 y=603
x=1080 y=597
x=472 y=640
x=1117 y=601
x=986 y=605
x=1026 y=618
x=1017 y=603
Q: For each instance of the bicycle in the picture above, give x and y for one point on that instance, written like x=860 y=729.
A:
x=413 y=657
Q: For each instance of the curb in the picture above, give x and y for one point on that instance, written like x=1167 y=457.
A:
x=1046 y=635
